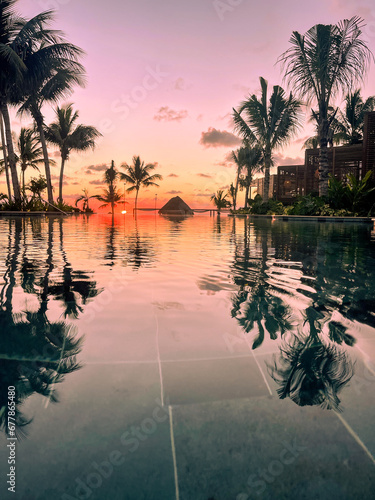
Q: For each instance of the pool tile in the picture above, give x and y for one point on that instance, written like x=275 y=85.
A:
x=187 y=382
x=267 y=449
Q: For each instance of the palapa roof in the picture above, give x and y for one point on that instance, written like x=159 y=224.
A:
x=176 y=206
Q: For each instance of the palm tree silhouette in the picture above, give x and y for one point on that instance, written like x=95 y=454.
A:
x=69 y=136
x=53 y=69
x=310 y=371
x=350 y=122
x=267 y=125
x=139 y=175
x=321 y=63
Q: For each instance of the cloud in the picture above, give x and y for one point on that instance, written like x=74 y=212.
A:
x=202 y=194
x=96 y=182
x=279 y=159
x=207 y=176
x=180 y=84
x=173 y=175
x=76 y=183
x=214 y=138
x=165 y=113
x=96 y=168
x=199 y=118
x=173 y=192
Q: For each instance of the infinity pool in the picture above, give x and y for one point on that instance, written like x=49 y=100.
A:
x=201 y=358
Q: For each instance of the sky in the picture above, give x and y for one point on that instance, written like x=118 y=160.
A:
x=163 y=77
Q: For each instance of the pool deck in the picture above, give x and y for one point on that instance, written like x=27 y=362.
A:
x=309 y=218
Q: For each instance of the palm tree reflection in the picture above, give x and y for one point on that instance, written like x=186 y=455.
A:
x=37 y=353
x=257 y=304
x=311 y=371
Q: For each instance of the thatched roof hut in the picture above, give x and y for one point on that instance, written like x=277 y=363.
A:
x=176 y=206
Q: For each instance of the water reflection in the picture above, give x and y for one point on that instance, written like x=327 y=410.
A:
x=325 y=269
x=37 y=352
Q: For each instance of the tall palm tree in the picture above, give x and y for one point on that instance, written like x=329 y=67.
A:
x=350 y=122
x=333 y=136
x=319 y=64
x=267 y=125
x=12 y=70
x=138 y=174
x=220 y=200
x=251 y=158
x=5 y=156
x=69 y=136
x=234 y=155
x=30 y=153
x=53 y=69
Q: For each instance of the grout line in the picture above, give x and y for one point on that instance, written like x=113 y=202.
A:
x=355 y=436
x=366 y=359
x=159 y=361
x=259 y=367
x=173 y=453
x=263 y=375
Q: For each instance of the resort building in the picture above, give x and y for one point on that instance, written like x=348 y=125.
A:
x=298 y=180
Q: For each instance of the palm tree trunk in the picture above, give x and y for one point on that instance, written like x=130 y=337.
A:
x=247 y=193
x=11 y=155
x=236 y=190
x=23 y=182
x=5 y=155
x=136 y=200
x=323 y=159
x=267 y=167
x=39 y=122
x=61 y=179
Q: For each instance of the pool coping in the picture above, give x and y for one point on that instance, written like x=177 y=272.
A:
x=9 y=213
x=309 y=218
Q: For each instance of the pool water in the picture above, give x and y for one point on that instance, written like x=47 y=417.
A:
x=197 y=358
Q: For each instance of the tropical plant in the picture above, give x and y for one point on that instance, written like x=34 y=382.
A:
x=85 y=198
x=138 y=174
x=37 y=186
x=30 y=153
x=234 y=156
x=350 y=122
x=220 y=200
x=358 y=190
x=69 y=136
x=268 y=125
x=319 y=64
x=111 y=196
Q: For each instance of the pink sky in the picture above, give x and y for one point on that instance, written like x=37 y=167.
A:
x=162 y=73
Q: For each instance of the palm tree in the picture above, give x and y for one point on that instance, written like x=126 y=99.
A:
x=319 y=64
x=220 y=200
x=251 y=158
x=52 y=71
x=234 y=155
x=333 y=133
x=5 y=156
x=350 y=122
x=111 y=196
x=12 y=70
x=267 y=125
x=138 y=174
x=69 y=136
x=30 y=153
x=85 y=198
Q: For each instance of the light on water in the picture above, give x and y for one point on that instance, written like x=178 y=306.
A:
x=205 y=358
